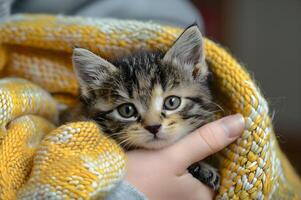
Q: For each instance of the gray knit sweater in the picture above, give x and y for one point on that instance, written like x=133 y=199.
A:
x=5 y=6
x=125 y=191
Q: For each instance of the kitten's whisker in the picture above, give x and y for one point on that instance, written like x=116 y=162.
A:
x=122 y=133
x=127 y=142
x=115 y=134
x=123 y=141
x=216 y=104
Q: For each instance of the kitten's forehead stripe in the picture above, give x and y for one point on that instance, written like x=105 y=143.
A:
x=157 y=98
x=153 y=113
x=158 y=102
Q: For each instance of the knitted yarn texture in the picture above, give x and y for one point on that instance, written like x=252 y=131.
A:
x=38 y=160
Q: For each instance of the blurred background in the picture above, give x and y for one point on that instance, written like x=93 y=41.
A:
x=264 y=35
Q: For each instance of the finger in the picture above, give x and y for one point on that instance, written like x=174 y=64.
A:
x=205 y=141
x=199 y=190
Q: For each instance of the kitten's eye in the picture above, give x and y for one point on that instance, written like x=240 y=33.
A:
x=172 y=102
x=127 y=110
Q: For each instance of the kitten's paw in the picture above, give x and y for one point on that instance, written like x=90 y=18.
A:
x=206 y=174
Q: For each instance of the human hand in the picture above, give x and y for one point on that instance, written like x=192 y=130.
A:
x=162 y=174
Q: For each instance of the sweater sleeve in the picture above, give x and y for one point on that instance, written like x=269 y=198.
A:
x=5 y=6
x=125 y=191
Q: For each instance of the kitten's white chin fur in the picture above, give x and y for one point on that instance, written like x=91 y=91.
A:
x=156 y=144
x=160 y=143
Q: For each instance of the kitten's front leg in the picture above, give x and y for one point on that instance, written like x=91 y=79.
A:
x=206 y=174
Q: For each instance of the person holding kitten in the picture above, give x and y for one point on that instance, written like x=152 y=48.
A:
x=153 y=104
x=162 y=174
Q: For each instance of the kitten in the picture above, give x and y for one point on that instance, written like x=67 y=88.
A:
x=151 y=99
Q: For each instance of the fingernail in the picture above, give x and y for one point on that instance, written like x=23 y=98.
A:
x=234 y=125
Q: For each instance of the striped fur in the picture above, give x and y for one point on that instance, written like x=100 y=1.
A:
x=145 y=80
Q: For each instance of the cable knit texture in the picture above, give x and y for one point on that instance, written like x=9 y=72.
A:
x=76 y=160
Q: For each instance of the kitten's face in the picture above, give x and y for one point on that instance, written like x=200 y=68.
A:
x=149 y=100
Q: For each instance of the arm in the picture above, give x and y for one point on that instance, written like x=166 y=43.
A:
x=5 y=6
x=125 y=189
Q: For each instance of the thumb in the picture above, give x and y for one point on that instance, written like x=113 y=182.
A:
x=205 y=141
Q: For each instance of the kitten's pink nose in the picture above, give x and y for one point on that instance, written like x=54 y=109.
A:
x=153 y=128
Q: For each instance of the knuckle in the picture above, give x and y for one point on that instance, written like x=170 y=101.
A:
x=212 y=136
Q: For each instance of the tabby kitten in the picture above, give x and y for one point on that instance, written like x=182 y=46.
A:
x=151 y=99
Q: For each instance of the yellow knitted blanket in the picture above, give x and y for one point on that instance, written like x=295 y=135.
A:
x=38 y=160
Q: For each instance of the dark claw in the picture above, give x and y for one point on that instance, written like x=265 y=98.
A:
x=206 y=174
x=216 y=181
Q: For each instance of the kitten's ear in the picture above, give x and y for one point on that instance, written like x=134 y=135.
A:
x=188 y=49
x=90 y=69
